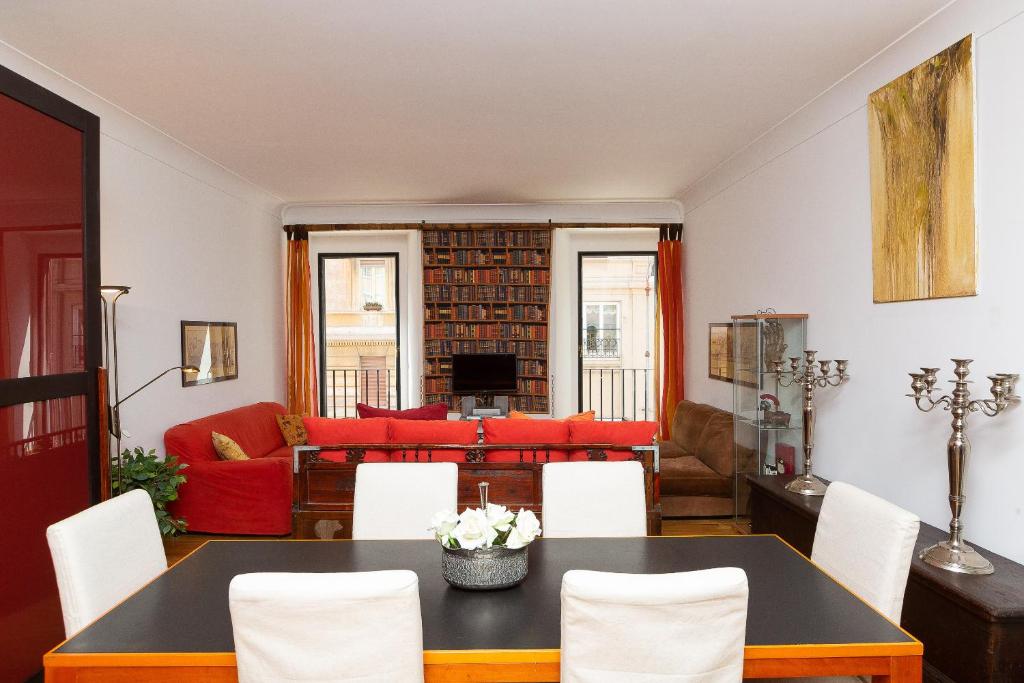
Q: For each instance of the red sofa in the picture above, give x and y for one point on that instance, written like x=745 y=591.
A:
x=255 y=496
x=235 y=497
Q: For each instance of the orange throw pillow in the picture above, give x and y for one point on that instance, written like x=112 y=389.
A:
x=516 y=415
x=588 y=415
x=292 y=429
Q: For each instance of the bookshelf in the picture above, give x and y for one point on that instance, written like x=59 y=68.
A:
x=486 y=289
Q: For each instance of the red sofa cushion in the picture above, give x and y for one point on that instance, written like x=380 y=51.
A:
x=525 y=432
x=434 y=411
x=328 y=431
x=615 y=433
x=434 y=432
x=253 y=427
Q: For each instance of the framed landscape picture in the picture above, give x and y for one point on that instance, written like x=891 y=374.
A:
x=212 y=347
x=720 y=361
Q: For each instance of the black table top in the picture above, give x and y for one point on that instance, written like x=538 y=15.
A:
x=186 y=609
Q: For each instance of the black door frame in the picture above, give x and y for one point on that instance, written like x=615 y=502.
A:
x=321 y=263
x=21 y=390
x=579 y=307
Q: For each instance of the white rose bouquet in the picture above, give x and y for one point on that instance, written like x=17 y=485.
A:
x=493 y=526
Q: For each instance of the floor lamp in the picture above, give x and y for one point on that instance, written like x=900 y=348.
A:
x=110 y=294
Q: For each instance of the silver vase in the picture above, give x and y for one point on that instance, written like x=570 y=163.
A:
x=484 y=569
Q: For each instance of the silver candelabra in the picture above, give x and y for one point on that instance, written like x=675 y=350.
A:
x=812 y=375
x=955 y=555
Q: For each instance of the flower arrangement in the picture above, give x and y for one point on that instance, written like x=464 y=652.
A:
x=493 y=526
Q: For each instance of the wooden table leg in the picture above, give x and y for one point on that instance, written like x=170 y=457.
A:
x=902 y=670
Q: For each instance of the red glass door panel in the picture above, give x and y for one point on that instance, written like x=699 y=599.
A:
x=41 y=244
x=44 y=470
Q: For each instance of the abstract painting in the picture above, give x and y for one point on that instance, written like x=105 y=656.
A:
x=921 y=143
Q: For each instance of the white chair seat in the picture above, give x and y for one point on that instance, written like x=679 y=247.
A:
x=104 y=554
x=686 y=627
x=327 y=628
x=594 y=499
x=398 y=500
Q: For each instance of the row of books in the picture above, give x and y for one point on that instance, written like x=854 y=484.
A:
x=487 y=312
x=465 y=257
x=473 y=293
x=443 y=385
x=446 y=347
x=487 y=330
x=525 y=404
x=531 y=367
x=502 y=276
x=487 y=238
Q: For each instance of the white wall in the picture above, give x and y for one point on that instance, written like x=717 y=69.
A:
x=193 y=241
x=787 y=223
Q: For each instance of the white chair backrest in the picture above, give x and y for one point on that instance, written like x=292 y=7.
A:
x=363 y=626
x=657 y=628
x=598 y=499
x=104 y=554
x=398 y=500
x=867 y=544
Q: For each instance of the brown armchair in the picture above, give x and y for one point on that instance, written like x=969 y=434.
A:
x=698 y=463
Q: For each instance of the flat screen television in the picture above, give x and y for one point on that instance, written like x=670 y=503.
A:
x=484 y=373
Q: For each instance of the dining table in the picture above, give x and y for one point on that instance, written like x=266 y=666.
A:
x=800 y=620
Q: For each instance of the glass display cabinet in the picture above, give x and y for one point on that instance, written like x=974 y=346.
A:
x=767 y=424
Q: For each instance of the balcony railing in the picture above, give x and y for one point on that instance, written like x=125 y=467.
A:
x=344 y=387
x=618 y=393
x=601 y=343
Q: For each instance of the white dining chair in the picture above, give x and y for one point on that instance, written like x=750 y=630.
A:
x=397 y=500
x=866 y=543
x=104 y=554
x=327 y=628
x=594 y=499
x=654 y=628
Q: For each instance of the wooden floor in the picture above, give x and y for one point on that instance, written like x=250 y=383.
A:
x=180 y=546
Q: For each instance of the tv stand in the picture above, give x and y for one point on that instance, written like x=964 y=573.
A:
x=471 y=406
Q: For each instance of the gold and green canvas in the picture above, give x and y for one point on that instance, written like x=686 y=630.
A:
x=921 y=137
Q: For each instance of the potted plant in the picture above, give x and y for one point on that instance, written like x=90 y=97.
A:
x=485 y=548
x=159 y=478
x=373 y=306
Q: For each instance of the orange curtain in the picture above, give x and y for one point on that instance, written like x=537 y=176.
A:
x=670 y=311
x=301 y=361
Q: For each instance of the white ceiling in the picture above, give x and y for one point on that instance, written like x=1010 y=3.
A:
x=461 y=100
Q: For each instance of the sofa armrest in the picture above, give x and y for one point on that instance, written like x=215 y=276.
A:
x=240 y=497
x=670 y=449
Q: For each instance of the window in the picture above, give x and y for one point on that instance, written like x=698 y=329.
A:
x=359 y=332
x=372 y=282
x=616 y=334
x=601 y=329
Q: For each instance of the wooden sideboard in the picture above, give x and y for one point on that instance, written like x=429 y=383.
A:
x=972 y=627
x=325 y=489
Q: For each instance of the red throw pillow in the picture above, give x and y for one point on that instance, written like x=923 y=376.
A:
x=525 y=432
x=615 y=433
x=431 y=432
x=326 y=431
x=434 y=411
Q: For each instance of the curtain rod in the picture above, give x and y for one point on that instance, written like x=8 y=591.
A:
x=423 y=225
